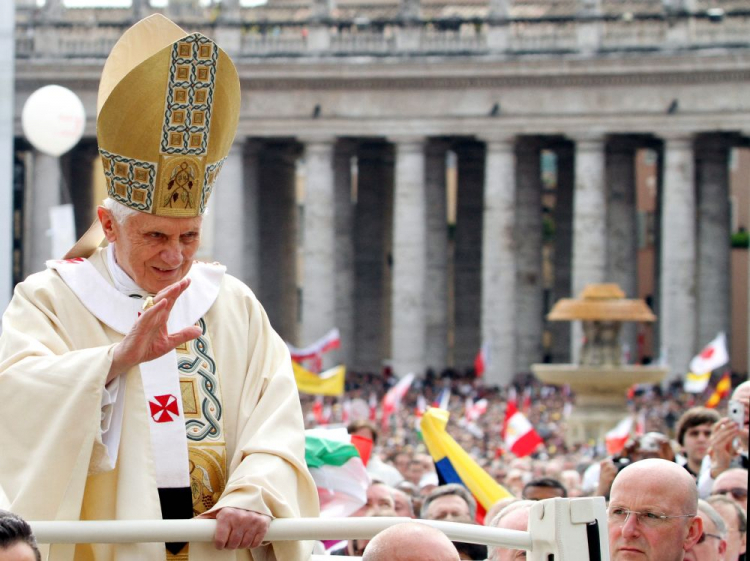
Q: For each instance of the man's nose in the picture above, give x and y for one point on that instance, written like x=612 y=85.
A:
x=630 y=526
x=172 y=254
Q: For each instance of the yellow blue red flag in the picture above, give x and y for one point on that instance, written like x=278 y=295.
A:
x=455 y=465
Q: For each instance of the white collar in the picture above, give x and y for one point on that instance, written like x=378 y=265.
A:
x=123 y=282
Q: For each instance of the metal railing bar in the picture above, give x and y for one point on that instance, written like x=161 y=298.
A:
x=143 y=531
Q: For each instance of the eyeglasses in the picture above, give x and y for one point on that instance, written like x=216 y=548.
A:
x=738 y=493
x=705 y=535
x=619 y=515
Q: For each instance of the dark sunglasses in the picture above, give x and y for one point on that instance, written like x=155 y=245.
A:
x=738 y=493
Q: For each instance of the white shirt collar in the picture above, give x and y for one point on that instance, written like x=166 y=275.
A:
x=122 y=280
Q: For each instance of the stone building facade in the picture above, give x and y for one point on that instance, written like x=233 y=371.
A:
x=364 y=127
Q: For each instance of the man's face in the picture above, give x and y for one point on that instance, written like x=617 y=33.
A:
x=710 y=547
x=516 y=520
x=695 y=442
x=414 y=472
x=401 y=462
x=736 y=540
x=450 y=508
x=402 y=504
x=378 y=498
x=664 y=540
x=155 y=251
x=19 y=551
x=533 y=493
x=732 y=484
x=743 y=394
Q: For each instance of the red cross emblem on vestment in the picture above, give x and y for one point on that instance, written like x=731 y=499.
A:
x=164 y=408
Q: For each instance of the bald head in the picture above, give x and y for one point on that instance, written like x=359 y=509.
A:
x=660 y=487
x=410 y=541
x=652 y=473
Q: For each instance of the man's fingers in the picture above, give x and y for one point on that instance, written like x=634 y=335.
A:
x=184 y=335
x=222 y=534
x=172 y=292
x=240 y=529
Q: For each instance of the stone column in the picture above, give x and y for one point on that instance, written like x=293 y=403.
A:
x=278 y=238
x=714 y=252
x=409 y=258
x=499 y=260
x=678 y=267
x=318 y=243
x=344 y=256
x=45 y=194
x=227 y=207
x=622 y=234
x=468 y=254
x=563 y=249
x=589 y=222
x=529 y=293
x=436 y=291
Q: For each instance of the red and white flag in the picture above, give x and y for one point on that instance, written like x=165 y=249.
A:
x=483 y=359
x=474 y=410
x=315 y=352
x=392 y=399
x=518 y=434
x=616 y=438
x=713 y=356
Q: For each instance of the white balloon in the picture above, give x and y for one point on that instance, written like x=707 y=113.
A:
x=53 y=119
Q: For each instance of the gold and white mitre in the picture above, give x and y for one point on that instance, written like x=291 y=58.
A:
x=167 y=113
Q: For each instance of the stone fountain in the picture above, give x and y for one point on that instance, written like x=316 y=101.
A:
x=600 y=380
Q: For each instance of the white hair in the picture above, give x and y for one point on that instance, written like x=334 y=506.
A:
x=119 y=211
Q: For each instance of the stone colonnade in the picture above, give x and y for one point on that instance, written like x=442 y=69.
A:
x=362 y=242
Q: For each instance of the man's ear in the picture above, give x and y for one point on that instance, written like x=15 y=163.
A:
x=695 y=531
x=108 y=223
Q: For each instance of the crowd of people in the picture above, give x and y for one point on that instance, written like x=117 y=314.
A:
x=702 y=446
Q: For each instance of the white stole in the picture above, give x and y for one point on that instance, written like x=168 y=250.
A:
x=161 y=382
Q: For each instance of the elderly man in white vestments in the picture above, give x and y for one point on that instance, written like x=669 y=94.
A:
x=136 y=383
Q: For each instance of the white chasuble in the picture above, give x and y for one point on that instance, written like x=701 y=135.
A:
x=54 y=358
x=160 y=377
